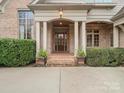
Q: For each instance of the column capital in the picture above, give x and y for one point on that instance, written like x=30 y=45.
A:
x=83 y=21
x=76 y=21
x=43 y=21
x=37 y=21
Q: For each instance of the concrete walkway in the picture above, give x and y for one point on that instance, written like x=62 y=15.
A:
x=62 y=80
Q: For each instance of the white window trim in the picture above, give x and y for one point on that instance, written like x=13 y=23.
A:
x=24 y=9
x=3 y=6
x=92 y=33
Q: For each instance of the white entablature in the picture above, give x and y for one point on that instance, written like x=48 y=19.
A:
x=65 y=1
x=75 y=10
x=48 y=15
x=72 y=1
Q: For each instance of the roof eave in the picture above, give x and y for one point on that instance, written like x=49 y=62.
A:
x=68 y=6
x=117 y=17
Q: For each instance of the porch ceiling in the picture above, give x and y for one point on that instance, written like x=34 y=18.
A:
x=61 y=23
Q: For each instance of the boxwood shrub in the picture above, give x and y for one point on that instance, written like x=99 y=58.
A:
x=105 y=57
x=15 y=53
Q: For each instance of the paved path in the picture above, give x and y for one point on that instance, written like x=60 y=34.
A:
x=62 y=80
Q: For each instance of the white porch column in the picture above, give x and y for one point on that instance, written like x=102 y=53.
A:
x=83 y=36
x=115 y=37
x=32 y=34
x=45 y=35
x=38 y=36
x=76 y=37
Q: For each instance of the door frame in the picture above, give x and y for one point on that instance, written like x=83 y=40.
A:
x=53 y=39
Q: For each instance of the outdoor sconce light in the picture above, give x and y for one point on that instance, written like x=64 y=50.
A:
x=61 y=12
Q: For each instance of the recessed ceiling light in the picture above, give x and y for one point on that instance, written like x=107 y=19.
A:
x=60 y=23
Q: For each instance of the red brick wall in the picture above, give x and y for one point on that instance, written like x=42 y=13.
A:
x=9 y=27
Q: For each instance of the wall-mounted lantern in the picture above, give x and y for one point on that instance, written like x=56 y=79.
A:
x=60 y=12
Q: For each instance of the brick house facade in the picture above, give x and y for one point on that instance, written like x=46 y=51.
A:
x=87 y=25
x=9 y=23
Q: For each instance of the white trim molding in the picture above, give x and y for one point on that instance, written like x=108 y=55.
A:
x=3 y=4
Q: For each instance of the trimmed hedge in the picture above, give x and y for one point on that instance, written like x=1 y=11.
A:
x=15 y=53
x=105 y=57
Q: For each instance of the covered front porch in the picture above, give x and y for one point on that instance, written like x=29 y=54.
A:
x=61 y=36
x=67 y=36
x=60 y=29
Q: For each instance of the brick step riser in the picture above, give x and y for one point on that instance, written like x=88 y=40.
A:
x=61 y=57
x=63 y=65
x=61 y=60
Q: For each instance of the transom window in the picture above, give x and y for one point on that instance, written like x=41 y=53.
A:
x=25 y=24
x=92 y=38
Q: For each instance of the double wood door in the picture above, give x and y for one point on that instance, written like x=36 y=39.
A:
x=61 y=41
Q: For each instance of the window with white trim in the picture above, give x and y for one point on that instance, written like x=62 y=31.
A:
x=25 y=24
x=92 y=38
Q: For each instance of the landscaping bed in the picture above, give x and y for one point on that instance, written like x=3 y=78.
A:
x=105 y=57
x=14 y=53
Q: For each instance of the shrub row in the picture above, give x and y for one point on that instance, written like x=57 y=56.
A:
x=17 y=52
x=105 y=57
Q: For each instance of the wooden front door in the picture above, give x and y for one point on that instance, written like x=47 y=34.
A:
x=60 y=41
